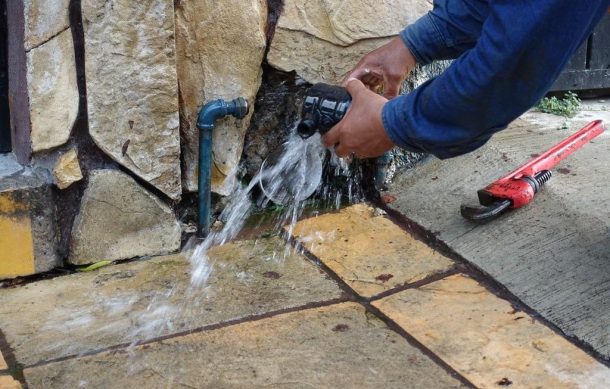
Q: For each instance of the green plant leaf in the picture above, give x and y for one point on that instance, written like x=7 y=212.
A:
x=94 y=266
x=567 y=107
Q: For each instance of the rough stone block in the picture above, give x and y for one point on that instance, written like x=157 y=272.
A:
x=119 y=219
x=53 y=91
x=489 y=342
x=44 y=19
x=28 y=239
x=370 y=253
x=132 y=89
x=323 y=39
x=43 y=92
x=67 y=169
x=220 y=52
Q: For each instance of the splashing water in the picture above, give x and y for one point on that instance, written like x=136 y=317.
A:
x=289 y=177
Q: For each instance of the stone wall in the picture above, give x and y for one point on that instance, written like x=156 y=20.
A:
x=105 y=93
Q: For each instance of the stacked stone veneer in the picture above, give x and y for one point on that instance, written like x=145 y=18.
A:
x=146 y=67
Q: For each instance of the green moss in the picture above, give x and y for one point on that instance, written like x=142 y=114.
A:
x=567 y=107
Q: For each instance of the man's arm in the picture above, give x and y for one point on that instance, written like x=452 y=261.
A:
x=446 y=32
x=451 y=28
x=523 y=47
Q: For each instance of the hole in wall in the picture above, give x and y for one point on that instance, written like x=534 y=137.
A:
x=5 y=127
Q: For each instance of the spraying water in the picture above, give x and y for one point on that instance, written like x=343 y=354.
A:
x=288 y=177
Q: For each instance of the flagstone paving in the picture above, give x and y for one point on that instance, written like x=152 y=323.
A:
x=369 y=252
x=488 y=341
x=8 y=382
x=142 y=300
x=381 y=309
x=332 y=347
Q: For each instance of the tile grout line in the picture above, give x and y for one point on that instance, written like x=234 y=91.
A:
x=454 y=270
x=485 y=279
x=198 y=330
x=417 y=344
x=366 y=303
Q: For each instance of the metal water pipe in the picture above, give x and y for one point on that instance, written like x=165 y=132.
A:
x=208 y=115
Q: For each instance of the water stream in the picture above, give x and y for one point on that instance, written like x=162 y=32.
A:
x=289 y=178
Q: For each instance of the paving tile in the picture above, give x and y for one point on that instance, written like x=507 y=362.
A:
x=8 y=382
x=145 y=299
x=370 y=253
x=482 y=337
x=332 y=347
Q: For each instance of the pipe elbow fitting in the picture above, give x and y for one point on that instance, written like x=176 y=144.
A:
x=217 y=109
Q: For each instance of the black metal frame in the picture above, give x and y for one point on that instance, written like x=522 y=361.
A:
x=5 y=128
x=589 y=68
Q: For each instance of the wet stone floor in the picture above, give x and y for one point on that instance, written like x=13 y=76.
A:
x=352 y=301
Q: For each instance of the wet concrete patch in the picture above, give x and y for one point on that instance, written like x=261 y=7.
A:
x=552 y=254
x=369 y=252
x=483 y=338
x=147 y=299
x=300 y=349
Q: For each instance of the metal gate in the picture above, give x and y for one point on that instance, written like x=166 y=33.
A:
x=589 y=69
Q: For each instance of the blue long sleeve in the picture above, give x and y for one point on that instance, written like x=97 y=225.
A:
x=450 y=29
x=509 y=53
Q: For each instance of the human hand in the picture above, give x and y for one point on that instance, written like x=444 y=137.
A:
x=387 y=66
x=361 y=131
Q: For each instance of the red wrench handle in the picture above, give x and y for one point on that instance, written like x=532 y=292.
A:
x=519 y=187
x=559 y=152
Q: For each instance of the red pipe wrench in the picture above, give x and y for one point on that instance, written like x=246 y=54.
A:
x=519 y=187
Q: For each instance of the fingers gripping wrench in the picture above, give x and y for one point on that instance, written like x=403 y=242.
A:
x=519 y=187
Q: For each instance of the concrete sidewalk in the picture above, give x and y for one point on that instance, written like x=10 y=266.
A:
x=554 y=254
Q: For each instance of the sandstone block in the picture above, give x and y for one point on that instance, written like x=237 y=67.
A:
x=369 y=252
x=323 y=39
x=42 y=77
x=67 y=170
x=53 y=91
x=488 y=341
x=220 y=51
x=132 y=94
x=8 y=382
x=119 y=219
x=44 y=19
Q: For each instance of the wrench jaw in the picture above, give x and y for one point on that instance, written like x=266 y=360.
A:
x=498 y=197
x=482 y=213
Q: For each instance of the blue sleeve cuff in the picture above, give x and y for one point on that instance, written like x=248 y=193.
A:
x=424 y=39
x=398 y=128
x=391 y=124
